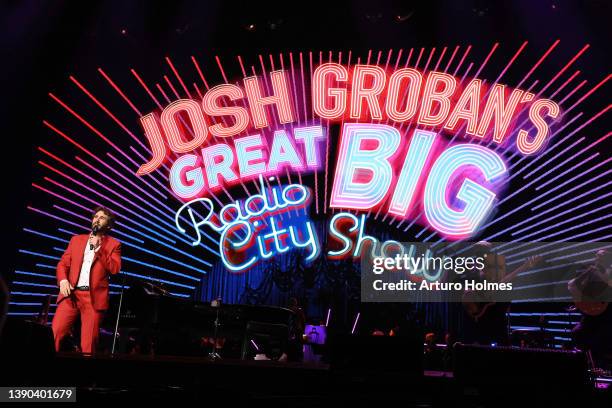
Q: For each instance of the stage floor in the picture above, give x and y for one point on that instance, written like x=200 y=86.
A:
x=106 y=378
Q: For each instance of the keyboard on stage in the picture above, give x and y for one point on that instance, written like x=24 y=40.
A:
x=153 y=321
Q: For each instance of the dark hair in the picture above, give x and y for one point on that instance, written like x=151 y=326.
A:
x=111 y=217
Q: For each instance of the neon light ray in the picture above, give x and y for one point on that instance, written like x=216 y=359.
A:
x=556 y=182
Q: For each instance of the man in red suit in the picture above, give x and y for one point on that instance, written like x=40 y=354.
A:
x=82 y=276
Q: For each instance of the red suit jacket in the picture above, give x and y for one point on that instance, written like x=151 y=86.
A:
x=106 y=261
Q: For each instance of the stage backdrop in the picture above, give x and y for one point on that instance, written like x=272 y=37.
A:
x=257 y=178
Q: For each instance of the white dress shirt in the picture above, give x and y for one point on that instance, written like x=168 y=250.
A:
x=88 y=257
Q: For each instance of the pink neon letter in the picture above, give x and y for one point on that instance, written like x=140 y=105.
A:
x=176 y=141
x=154 y=136
x=355 y=163
x=431 y=94
x=212 y=108
x=279 y=98
x=321 y=92
x=370 y=93
x=393 y=95
x=535 y=115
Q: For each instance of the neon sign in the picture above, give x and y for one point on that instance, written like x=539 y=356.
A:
x=436 y=101
x=255 y=229
x=249 y=131
x=220 y=163
x=350 y=190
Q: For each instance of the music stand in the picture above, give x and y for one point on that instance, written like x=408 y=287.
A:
x=116 y=331
x=213 y=355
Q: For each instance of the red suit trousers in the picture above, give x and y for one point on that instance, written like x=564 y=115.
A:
x=79 y=303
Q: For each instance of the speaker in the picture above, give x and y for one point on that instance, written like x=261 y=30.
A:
x=520 y=369
x=378 y=353
x=26 y=339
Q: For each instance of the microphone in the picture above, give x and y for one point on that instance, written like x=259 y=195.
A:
x=94 y=231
